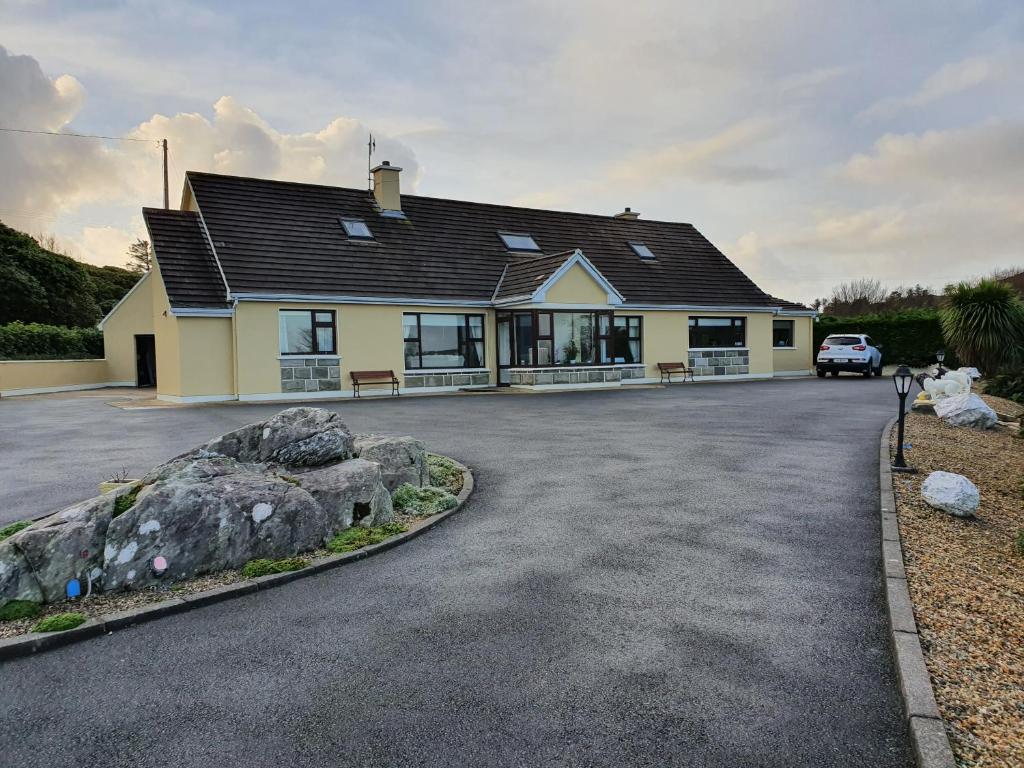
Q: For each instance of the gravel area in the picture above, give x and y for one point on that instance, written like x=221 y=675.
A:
x=967 y=584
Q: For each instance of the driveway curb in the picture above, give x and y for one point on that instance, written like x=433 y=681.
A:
x=927 y=731
x=35 y=642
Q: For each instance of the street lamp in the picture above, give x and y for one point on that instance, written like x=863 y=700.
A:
x=903 y=379
x=940 y=356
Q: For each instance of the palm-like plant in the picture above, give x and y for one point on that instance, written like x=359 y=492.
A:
x=984 y=324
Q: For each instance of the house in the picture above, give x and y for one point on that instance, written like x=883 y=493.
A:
x=270 y=290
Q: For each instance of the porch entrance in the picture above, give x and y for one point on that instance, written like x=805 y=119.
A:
x=145 y=360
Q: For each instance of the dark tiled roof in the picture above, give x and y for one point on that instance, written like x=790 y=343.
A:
x=526 y=275
x=791 y=305
x=187 y=266
x=282 y=237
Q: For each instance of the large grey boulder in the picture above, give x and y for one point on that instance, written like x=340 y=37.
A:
x=966 y=410
x=201 y=526
x=302 y=436
x=16 y=579
x=67 y=545
x=199 y=467
x=402 y=459
x=350 y=493
x=951 y=493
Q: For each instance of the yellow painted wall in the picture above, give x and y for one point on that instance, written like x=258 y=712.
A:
x=168 y=345
x=802 y=357
x=134 y=315
x=51 y=374
x=206 y=356
x=576 y=287
x=369 y=339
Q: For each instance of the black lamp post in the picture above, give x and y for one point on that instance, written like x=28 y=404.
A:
x=940 y=356
x=903 y=379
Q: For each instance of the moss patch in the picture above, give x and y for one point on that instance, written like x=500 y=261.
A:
x=444 y=473
x=422 y=501
x=13 y=528
x=265 y=567
x=59 y=622
x=19 y=609
x=355 y=538
x=124 y=502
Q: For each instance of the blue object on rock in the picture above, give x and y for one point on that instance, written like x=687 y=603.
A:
x=74 y=589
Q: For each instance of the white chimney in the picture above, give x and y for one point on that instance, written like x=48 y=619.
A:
x=386 y=189
x=629 y=213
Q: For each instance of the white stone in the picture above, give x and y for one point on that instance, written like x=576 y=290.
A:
x=150 y=526
x=966 y=410
x=951 y=493
x=261 y=512
x=127 y=552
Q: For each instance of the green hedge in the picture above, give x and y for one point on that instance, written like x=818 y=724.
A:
x=910 y=337
x=34 y=341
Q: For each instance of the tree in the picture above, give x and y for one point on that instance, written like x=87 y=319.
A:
x=110 y=284
x=140 y=257
x=984 y=323
x=857 y=297
x=41 y=286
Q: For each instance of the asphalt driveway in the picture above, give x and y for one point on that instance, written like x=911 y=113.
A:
x=684 y=576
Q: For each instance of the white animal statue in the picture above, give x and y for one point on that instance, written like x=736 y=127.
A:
x=974 y=373
x=953 y=383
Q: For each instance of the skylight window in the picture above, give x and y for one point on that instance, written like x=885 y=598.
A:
x=643 y=251
x=357 y=229
x=518 y=242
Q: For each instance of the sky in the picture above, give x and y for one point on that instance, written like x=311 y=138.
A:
x=813 y=143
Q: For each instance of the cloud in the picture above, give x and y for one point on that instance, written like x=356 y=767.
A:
x=949 y=80
x=712 y=159
x=53 y=182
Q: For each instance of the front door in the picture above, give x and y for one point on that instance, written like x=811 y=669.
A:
x=145 y=360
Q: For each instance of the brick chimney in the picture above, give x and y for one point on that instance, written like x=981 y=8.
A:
x=386 y=189
x=629 y=213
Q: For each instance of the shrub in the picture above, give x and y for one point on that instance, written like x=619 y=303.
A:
x=1008 y=385
x=355 y=538
x=444 y=473
x=124 y=502
x=910 y=337
x=59 y=622
x=265 y=567
x=422 y=501
x=19 y=609
x=35 y=341
x=984 y=324
x=9 y=530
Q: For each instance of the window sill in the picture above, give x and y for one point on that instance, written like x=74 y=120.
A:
x=309 y=357
x=587 y=366
x=438 y=371
x=785 y=347
x=719 y=349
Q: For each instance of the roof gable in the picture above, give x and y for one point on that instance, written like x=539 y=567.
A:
x=188 y=266
x=531 y=279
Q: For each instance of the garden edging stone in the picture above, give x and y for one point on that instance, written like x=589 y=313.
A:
x=34 y=642
x=927 y=730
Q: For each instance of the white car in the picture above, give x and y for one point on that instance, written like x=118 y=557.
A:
x=853 y=352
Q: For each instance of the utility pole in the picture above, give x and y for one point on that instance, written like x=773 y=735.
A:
x=167 y=203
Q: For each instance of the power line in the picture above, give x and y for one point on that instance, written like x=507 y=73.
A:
x=77 y=135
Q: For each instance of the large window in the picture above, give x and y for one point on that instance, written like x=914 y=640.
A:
x=627 y=339
x=782 y=333
x=443 y=340
x=715 y=332
x=307 y=332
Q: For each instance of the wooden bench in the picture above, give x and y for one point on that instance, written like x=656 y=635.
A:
x=374 y=377
x=667 y=369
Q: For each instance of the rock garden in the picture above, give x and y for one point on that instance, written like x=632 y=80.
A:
x=961 y=522
x=268 y=498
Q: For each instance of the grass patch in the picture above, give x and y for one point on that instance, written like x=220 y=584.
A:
x=444 y=473
x=355 y=538
x=19 y=609
x=9 y=530
x=59 y=622
x=1018 y=542
x=265 y=567
x=124 y=502
x=289 y=479
x=422 y=501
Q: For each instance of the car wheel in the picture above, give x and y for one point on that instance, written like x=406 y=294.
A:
x=821 y=374
x=868 y=371
x=834 y=373
x=878 y=370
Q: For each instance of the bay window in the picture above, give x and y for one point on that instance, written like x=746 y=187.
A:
x=716 y=332
x=436 y=340
x=565 y=338
x=307 y=332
